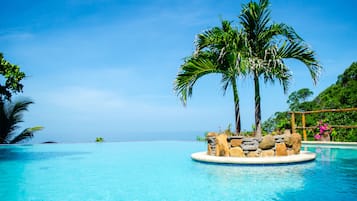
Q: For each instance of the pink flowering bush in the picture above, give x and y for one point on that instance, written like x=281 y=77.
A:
x=324 y=129
x=317 y=136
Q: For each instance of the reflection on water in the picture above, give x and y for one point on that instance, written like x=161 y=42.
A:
x=257 y=182
x=24 y=153
x=333 y=178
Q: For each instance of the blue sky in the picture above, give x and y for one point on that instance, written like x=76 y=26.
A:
x=106 y=68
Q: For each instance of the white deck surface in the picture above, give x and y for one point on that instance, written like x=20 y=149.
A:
x=304 y=156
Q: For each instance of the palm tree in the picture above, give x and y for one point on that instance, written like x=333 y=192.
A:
x=269 y=45
x=217 y=51
x=10 y=117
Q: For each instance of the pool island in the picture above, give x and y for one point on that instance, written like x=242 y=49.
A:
x=270 y=149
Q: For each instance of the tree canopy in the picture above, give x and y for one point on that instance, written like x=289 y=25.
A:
x=269 y=44
x=297 y=97
x=11 y=111
x=342 y=94
x=258 y=49
x=11 y=81
x=218 y=51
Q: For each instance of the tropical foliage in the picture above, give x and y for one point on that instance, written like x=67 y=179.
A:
x=11 y=115
x=277 y=122
x=342 y=94
x=297 y=97
x=269 y=45
x=12 y=77
x=218 y=51
x=11 y=112
x=259 y=49
x=99 y=139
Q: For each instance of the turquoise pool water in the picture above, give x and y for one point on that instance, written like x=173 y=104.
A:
x=162 y=170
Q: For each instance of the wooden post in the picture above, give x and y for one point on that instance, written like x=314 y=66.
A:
x=293 y=126
x=303 y=126
x=293 y=122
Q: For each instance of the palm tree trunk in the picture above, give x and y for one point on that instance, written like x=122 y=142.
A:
x=258 y=126
x=236 y=106
x=2 y=123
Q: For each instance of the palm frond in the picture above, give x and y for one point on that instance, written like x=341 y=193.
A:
x=193 y=69
x=301 y=52
x=255 y=18
x=208 y=39
x=226 y=81
x=25 y=134
x=10 y=117
x=218 y=50
x=216 y=38
x=282 y=30
x=15 y=110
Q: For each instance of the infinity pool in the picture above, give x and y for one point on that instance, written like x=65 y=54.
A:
x=163 y=170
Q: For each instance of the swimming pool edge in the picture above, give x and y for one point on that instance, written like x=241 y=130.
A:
x=304 y=156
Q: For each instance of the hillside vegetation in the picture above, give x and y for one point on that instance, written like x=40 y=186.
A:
x=342 y=94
